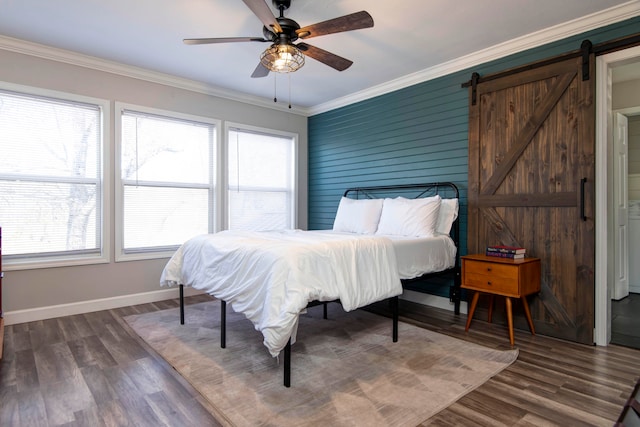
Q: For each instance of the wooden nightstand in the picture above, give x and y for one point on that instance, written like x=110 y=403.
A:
x=501 y=276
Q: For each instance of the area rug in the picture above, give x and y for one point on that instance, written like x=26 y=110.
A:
x=345 y=370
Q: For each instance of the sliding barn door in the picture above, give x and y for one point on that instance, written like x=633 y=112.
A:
x=531 y=183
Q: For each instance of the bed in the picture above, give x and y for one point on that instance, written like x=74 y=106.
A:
x=378 y=245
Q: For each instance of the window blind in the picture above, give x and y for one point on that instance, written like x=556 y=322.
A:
x=167 y=169
x=50 y=176
x=260 y=180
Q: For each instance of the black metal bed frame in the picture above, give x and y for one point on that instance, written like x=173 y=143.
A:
x=424 y=190
x=393 y=302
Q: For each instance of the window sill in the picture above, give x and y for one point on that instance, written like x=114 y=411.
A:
x=32 y=264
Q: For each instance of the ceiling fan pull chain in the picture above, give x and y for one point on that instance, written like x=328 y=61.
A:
x=289 y=75
x=275 y=98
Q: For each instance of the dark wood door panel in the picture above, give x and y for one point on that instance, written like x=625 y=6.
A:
x=531 y=170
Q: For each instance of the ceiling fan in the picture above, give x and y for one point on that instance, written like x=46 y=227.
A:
x=283 y=56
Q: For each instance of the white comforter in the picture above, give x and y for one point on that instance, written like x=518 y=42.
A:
x=270 y=277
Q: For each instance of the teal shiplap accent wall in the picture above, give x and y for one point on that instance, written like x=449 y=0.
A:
x=413 y=135
x=408 y=136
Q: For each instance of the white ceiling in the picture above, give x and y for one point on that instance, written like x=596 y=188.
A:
x=410 y=41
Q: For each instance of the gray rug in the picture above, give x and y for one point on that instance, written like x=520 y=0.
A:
x=345 y=370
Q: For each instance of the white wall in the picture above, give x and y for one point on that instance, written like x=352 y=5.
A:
x=31 y=294
x=626 y=94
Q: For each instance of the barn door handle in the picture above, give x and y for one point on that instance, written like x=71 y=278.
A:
x=583 y=181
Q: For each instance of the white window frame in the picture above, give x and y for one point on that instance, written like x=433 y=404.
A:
x=120 y=107
x=224 y=183
x=103 y=256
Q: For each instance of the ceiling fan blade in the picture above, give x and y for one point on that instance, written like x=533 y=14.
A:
x=354 y=21
x=224 y=40
x=262 y=11
x=260 y=71
x=328 y=58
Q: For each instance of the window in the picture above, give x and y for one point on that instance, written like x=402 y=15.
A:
x=55 y=179
x=51 y=177
x=167 y=180
x=261 y=176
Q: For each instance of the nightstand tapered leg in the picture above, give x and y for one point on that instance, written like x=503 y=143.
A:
x=509 y=319
x=474 y=302
x=527 y=313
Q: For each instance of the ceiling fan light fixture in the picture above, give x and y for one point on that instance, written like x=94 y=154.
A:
x=282 y=58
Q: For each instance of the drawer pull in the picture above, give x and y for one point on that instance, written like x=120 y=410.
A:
x=488 y=268
x=489 y=283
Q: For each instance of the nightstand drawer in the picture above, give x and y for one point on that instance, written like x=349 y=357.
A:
x=494 y=284
x=494 y=270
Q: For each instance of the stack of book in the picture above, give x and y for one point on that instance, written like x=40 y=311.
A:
x=506 y=251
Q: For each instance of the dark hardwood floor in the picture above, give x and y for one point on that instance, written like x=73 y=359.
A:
x=625 y=321
x=92 y=370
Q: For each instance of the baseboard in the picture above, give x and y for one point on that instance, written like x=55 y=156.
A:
x=49 y=312
x=634 y=289
x=432 y=301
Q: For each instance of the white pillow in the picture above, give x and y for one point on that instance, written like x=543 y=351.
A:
x=358 y=215
x=448 y=213
x=409 y=217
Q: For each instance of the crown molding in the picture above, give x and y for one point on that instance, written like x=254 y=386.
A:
x=558 y=32
x=73 y=58
x=567 y=29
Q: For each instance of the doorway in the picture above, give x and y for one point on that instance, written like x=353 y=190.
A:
x=616 y=321
x=625 y=304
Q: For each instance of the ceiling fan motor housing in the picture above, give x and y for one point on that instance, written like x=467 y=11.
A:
x=289 y=27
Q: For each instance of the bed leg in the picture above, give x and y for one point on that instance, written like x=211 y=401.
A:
x=394 y=313
x=455 y=297
x=456 y=293
x=287 y=364
x=223 y=324
x=182 y=304
x=324 y=305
